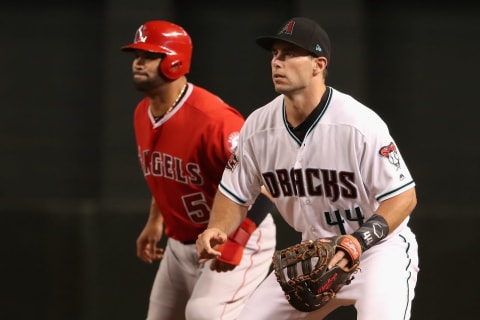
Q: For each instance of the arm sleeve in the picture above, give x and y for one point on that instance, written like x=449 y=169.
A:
x=383 y=167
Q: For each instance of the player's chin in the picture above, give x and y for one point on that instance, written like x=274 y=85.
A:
x=280 y=88
x=143 y=85
x=279 y=82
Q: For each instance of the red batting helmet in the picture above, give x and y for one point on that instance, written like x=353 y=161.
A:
x=168 y=38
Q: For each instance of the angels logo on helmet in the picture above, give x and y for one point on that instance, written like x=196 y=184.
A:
x=139 y=35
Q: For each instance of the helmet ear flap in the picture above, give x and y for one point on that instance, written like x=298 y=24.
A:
x=171 y=68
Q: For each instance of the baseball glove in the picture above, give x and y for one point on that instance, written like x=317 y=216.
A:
x=302 y=271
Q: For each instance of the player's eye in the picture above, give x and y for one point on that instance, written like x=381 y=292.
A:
x=153 y=55
x=148 y=55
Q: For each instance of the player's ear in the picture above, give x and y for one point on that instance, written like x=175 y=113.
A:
x=320 y=65
x=317 y=66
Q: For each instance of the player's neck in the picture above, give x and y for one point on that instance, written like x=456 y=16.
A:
x=300 y=106
x=168 y=97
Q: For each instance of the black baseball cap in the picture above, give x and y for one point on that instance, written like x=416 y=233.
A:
x=302 y=32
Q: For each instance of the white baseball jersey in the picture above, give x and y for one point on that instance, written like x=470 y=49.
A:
x=327 y=184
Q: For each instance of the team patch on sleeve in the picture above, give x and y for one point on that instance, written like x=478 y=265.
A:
x=232 y=162
x=232 y=141
x=390 y=152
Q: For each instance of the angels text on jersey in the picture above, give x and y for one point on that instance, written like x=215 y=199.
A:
x=170 y=167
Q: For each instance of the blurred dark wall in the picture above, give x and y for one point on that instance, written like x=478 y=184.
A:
x=73 y=199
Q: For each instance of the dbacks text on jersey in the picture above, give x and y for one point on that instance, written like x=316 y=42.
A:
x=311 y=182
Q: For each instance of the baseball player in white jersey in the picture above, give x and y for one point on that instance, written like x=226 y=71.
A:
x=332 y=168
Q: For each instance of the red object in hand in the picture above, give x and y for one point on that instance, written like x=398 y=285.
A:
x=232 y=249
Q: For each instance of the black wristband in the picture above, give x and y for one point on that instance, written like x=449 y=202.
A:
x=260 y=208
x=372 y=231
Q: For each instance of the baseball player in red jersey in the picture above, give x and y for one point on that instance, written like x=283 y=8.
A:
x=332 y=168
x=185 y=136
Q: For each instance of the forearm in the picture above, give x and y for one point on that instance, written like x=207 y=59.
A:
x=395 y=210
x=154 y=216
x=388 y=216
x=226 y=215
x=232 y=249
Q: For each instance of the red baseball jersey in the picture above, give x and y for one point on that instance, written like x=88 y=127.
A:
x=183 y=156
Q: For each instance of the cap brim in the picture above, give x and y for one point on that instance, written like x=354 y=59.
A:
x=266 y=42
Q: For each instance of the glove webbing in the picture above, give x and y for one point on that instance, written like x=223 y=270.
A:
x=304 y=254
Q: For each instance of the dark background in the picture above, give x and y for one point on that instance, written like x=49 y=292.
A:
x=72 y=196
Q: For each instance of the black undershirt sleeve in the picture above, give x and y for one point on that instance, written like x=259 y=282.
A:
x=260 y=208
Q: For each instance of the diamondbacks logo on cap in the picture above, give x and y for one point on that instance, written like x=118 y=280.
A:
x=318 y=48
x=288 y=28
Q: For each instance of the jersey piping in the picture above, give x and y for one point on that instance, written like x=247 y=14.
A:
x=323 y=104
x=387 y=194
x=225 y=189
